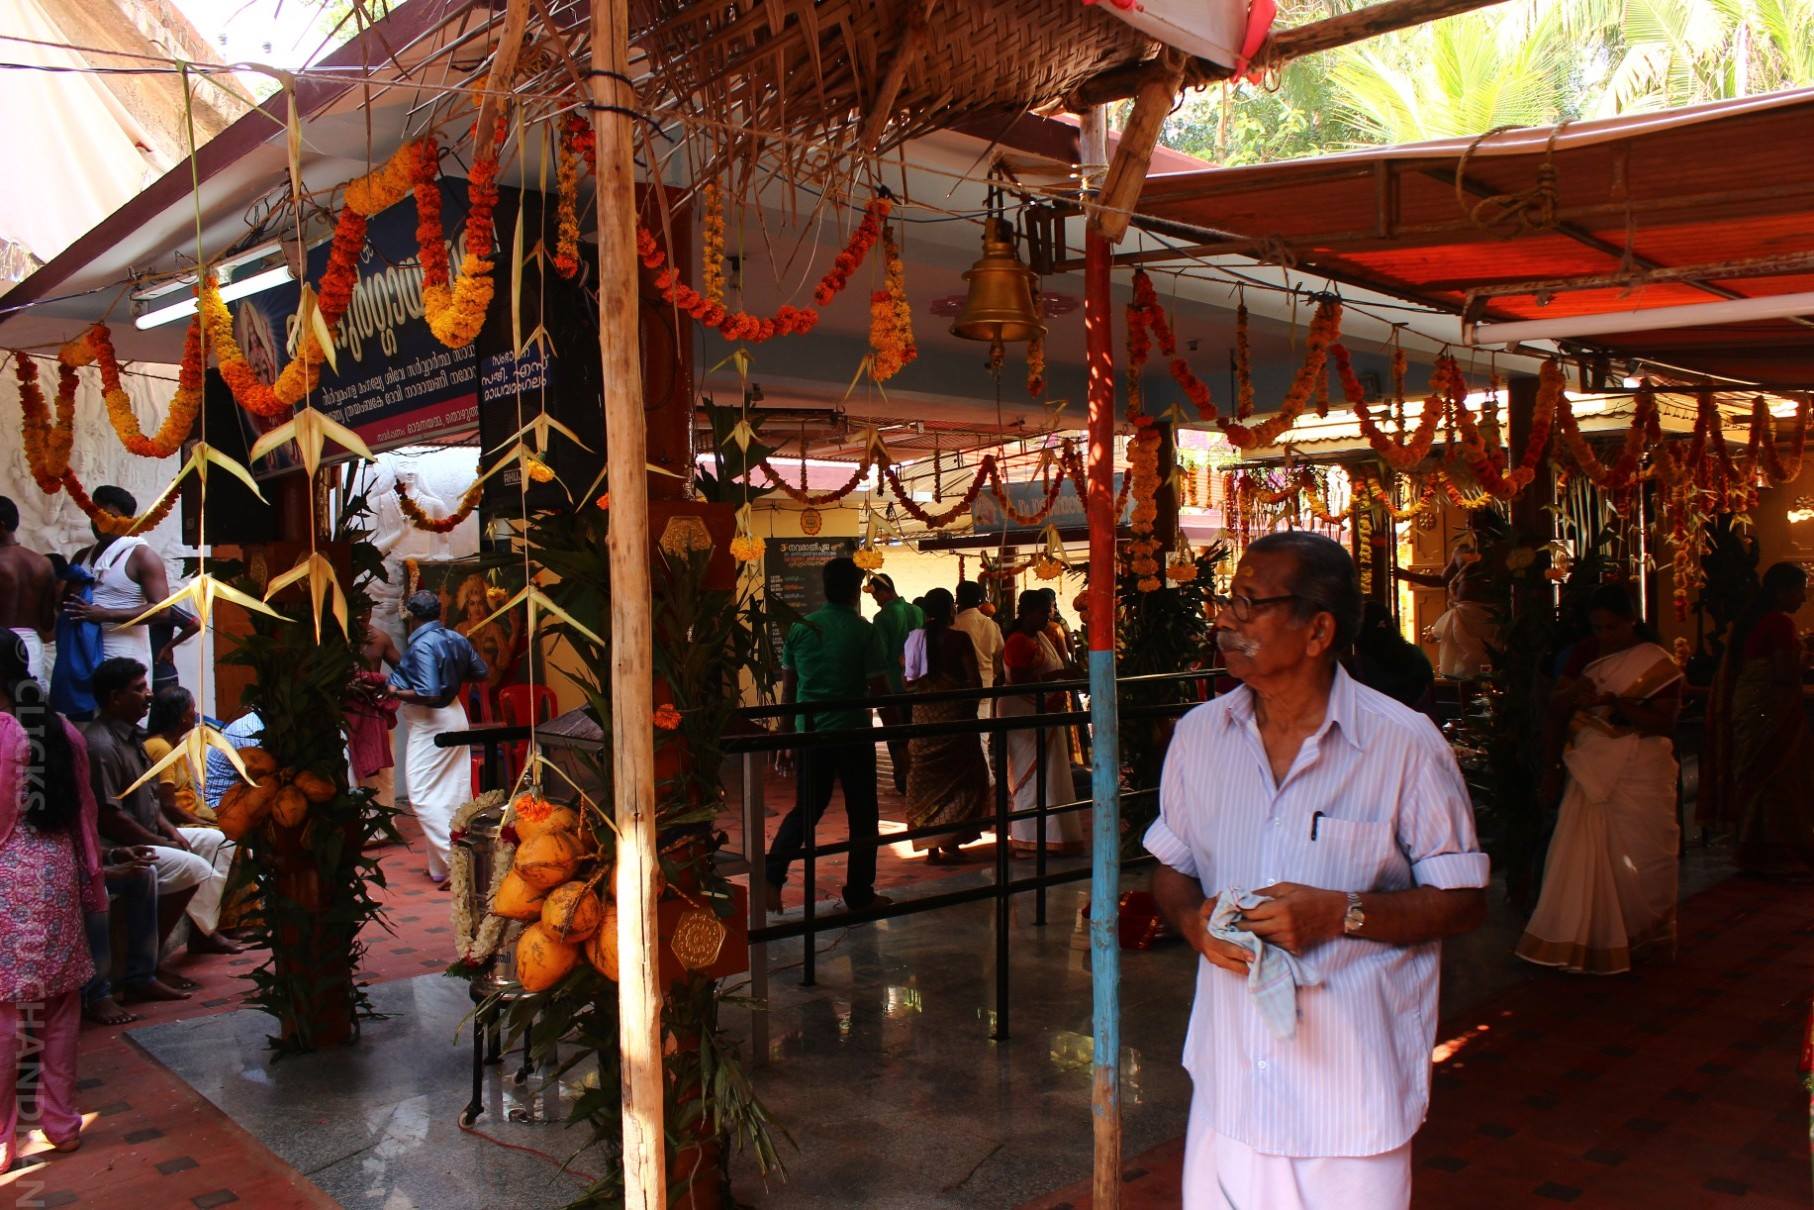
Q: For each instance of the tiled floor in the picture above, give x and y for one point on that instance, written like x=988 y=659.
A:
x=1673 y=1087
x=150 y=1136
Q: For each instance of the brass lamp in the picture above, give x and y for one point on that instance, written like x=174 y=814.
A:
x=1000 y=306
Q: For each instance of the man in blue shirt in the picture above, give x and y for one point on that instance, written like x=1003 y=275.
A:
x=436 y=662
x=243 y=732
x=834 y=655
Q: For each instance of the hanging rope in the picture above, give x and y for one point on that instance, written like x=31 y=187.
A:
x=1524 y=211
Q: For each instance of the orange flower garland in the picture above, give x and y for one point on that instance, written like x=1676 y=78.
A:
x=802 y=495
x=711 y=256
x=110 y=522
x=1760 y=451
x=439 y=525
x=1483 y=465
x=300 y=376
x=1147 y=325
x=96 y=346
x=576 y=147
x=1400 y=455
x=1036 y=367
x=456 y=313
x=890 y=317
x=1624 y=470
x=1243 y=365
x=46 y=444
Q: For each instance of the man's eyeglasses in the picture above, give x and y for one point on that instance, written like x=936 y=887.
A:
x=1245 y=607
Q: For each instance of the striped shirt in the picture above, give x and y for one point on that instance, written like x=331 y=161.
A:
x=1355 y=1079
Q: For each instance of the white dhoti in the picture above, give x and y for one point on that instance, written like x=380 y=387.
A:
x=35 y=666
x=440 y=779
x=1221 y=1173
x=212 y=846
x=1464 y=634
x=178 y=871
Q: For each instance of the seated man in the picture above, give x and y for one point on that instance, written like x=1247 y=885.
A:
x=243 y=732
x=184 y=859
x=132 y=882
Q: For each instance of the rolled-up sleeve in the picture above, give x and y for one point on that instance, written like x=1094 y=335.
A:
x=1160 y=840
x=1436 y=824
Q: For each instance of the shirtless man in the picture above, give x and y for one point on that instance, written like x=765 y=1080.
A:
x=129 y=577
x=28 y=598
x=1476 y=582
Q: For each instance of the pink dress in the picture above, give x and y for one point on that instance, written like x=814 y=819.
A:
x=47 y=880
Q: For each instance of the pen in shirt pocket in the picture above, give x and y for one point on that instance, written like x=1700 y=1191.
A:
x=1315 y=819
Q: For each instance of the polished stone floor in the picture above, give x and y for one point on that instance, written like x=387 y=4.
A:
x=375 y=1126
x=884 y=1072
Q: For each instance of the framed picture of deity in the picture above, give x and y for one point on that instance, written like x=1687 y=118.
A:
x=469 y=596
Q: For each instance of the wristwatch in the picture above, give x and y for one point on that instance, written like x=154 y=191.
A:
x=1355 y=919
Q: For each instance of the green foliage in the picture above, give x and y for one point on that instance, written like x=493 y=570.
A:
x=1530 y=62
x=730 y=480
x=314 y=885
x=1166 y=630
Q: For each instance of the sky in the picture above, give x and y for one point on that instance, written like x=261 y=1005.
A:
x=282 y=33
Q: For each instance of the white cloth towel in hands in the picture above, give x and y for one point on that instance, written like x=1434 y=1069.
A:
x=1274 y=975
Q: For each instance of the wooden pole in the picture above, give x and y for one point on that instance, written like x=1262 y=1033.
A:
x=632 y=673
x=1134 y=154
x=1105 y=738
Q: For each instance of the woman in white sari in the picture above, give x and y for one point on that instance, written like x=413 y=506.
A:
x=1029 y=656
x=1609 y=885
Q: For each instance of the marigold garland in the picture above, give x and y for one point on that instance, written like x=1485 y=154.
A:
x=415 y=515
x=1622 y=472
x=1243 y=365
x=1401 y=454
x=1146 y=316
x=711 y=254
x=47 y=444
x=1760 y=450
x=96 y=346
x=574 y=131
x=1036 y=366
x=890 y=317
x=456 y=312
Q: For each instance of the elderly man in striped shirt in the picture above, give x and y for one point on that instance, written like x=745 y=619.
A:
x=1346 y=812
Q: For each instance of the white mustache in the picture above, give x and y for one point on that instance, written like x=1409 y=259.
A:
x=1239 y=644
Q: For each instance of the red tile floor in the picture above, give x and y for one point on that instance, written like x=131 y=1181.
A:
x=1674 y=1087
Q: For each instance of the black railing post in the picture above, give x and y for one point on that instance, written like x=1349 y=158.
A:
x=1039 y=838
x=1002 y=893
x=803 y=766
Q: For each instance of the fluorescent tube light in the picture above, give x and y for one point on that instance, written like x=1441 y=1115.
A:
x=1738 y=310
x=236 y=290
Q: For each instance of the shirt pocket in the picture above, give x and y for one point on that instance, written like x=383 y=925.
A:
x=1351 y=855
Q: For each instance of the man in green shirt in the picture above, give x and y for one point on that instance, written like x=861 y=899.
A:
x=833 y=655
x=896 y=618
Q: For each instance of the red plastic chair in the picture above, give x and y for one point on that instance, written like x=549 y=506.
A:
x=517 y=705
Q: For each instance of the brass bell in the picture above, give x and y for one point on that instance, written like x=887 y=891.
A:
x=1000 y=305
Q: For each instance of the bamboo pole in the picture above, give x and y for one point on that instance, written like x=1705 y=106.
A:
x=1105 y=741
x=632 y=672
x=1134 y=154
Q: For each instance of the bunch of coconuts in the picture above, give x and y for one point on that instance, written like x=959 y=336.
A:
x=283 y=796
x=560 y=885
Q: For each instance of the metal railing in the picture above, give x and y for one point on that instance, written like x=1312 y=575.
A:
x=755 y=746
